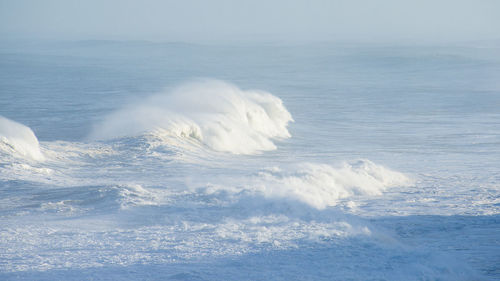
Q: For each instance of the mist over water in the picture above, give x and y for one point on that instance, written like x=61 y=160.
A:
x=222 y=21
x=316 y=161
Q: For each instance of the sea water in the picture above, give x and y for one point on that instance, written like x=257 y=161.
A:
x=174 y=161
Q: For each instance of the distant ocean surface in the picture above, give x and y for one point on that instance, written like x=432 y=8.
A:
x=173 y=161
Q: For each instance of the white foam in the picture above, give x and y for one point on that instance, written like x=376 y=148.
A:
x=320 y=185
x=18 y=139
x=215 y=113
x=136 y=195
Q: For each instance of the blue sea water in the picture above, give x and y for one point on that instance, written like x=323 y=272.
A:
x=174 y=161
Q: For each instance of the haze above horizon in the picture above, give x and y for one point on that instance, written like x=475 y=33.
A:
x=258 y=20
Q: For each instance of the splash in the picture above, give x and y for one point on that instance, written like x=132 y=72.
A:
x=214 y=113
x=19 y=140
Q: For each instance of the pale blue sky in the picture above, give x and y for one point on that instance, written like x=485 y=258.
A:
x=225 y=20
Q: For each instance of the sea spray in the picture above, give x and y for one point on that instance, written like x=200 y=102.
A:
x=19 y=140
x=214 y=113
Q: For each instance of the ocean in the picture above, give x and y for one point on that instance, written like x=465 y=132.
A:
x=135 y=160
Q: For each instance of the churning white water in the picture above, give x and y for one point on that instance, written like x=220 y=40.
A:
x=316 y=162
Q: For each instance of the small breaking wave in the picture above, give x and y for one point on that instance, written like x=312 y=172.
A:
x=19 y=140
x=320 y=185
x=214 y=113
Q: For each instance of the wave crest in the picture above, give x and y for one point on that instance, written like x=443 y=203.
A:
x=19 y=140
x=215 y=113
x=319 y=185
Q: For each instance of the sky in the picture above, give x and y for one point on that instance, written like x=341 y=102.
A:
x=259 y=20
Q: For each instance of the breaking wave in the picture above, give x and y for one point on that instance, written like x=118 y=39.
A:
x=320 y=185
x=18 y=140
x=211 y=112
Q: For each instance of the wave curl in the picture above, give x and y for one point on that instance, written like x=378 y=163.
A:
x=215 y=113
